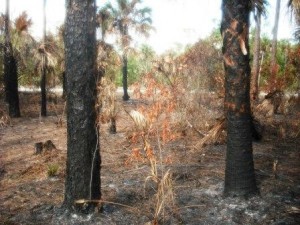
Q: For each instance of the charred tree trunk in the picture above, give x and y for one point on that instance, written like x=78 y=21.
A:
x=10 y=71
x=239 y=172
x=83 y=157
x=125 y=76
x=44 y=70
x=125 y=65
x=256 y=60
x=43 y=89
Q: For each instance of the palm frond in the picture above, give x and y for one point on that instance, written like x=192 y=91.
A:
x=259 y=6
x=127 y=15
x=294 y=7
x=22 y=22
x=2 y=23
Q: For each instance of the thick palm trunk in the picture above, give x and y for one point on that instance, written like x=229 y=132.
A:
x=10 y=72
x=256 y=60
x=239 y=172
x=83 y=158
x=11 y=84
x=273 y=66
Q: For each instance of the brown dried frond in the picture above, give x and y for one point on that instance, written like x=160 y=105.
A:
x=140 y=120
x=214 y=134
x=265 y=108
x=106 y=100
x=22 y=22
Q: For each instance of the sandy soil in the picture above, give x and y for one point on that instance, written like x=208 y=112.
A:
x=28 y=195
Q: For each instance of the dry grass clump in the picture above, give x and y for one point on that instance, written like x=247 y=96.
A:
x=164 y=196
x=5 y=121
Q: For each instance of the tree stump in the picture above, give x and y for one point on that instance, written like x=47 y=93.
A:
x=41 y=147
x=38 y=148
x=48 y=146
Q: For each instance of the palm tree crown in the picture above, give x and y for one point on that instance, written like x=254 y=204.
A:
x=294 y=6
x=126 y=14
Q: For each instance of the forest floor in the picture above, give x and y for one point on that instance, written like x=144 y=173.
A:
x=28 y=195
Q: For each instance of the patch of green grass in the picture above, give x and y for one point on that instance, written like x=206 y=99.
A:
x=52 y=170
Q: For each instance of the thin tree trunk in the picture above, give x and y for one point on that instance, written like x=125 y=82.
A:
x=239 y=172
x=10 y=71
x=83 y=157
x=44 y=69
x=125 y=76
x=43 y=89
x=125 y=64
x=256 y=60
x=273 y=65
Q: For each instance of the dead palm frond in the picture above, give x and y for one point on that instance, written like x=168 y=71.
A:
x=46 y=56
x=21 y=39
x=22 y=23
x=140 y=120
x=214 y=134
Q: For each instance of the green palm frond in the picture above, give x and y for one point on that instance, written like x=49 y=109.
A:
x=128 y=15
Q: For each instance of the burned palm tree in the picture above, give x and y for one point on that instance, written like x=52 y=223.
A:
x=127 y=15
x=46 y=54
x=239 y=172
x=83 y=154
x=10 y=70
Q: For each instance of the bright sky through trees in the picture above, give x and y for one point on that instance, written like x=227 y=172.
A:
x=177 y=22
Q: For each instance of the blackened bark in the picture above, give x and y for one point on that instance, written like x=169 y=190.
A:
x=125 y=76
x=113 y=127
x=83 y=157
x=43 y=90
x=239 y=172
x=44 y=69
x=124 y=31
x=10 y=71
x=11 y=85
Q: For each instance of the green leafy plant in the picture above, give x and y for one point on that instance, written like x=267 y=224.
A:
x=52 y=170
